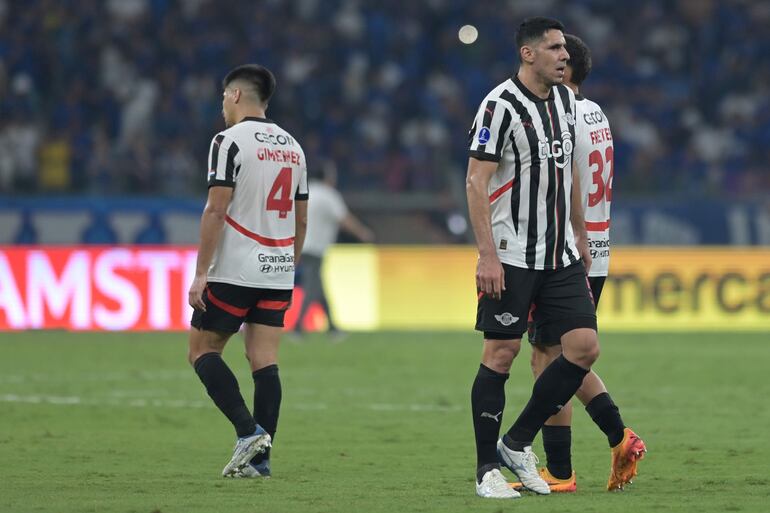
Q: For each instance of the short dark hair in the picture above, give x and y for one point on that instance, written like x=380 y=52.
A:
x=259 y=77
x=534 y=28
x=579 y=58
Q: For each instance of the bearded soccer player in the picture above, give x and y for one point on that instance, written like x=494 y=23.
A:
x=251 y=236
x=532 y=248
x=593 y=156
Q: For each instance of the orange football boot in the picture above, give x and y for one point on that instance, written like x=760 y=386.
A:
x=555 y=484
x=625 y=457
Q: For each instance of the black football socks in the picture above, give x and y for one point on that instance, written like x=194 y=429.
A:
x=555 y=386
x=223 y=389
x=557 y=444
x=267 y=403
x=487 y=403
x=607 y=416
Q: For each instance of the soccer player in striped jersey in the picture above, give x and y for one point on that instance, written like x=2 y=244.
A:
x=252 y=230
x=525 y=209
x=593 y=156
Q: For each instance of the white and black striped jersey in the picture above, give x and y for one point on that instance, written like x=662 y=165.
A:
x=267 y=169
x=532 y=140
x=594 y=158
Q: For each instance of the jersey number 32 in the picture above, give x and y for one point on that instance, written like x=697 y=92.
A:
x=603 y=189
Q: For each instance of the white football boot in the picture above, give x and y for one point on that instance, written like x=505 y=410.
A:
x=494 y=486
x=245 y=449
x=524 y=465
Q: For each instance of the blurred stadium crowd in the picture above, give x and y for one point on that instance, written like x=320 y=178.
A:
x=123 y=96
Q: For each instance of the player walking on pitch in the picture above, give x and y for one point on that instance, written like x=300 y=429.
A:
x=531 y=237
x=252 y=230
x=593 y=157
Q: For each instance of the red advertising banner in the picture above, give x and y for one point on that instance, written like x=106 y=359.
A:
x=104 y=289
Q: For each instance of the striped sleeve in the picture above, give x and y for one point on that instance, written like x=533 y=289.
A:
x=490 y=132
x=302 y=193
x=224 y=161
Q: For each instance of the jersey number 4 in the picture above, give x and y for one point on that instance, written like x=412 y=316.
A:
x=603 y=190
x=279 y=197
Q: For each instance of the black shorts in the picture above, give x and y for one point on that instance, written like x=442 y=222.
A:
x=562 y=295
x=535 y=335
x=228 y=306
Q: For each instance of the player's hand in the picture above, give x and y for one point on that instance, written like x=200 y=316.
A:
x=585 y=253
x=490 y=277
x=195 y=296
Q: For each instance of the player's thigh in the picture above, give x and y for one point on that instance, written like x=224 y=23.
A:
x=506 y=318
x=264 y=325
x=564 y=303
x=226 y=307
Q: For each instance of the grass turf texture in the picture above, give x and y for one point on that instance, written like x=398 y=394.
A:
x=379 y=422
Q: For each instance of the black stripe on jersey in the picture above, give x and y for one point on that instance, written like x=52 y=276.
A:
x=565 y=102
x=561 y=207
x=564 y=94
x=232 y=152
x=516 y=191
x=216 y=144
x=501 y=133
x=550 y=195
x=534 y=174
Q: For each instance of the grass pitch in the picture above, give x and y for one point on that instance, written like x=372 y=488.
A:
x=379 y=422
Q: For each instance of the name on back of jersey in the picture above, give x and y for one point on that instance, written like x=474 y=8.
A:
x=601 y=135
x=287 y=156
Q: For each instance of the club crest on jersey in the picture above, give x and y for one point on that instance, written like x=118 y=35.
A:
x=569 y=118
x=484 y=135
x=559 y=151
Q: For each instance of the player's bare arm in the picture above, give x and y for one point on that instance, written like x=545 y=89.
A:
x=352 y=225
x=212 y=222
x=300 y=228
x=490 y=278
x=578 y=221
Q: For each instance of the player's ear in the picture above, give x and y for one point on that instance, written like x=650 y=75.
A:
x=527 y=54
x=236 y=94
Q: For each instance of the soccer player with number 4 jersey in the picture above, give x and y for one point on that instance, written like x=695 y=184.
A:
x=593 y=157
x=252 y=231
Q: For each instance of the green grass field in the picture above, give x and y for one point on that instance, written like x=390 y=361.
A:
x=379 y=422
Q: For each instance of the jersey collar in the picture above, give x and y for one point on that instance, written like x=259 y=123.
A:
x=529 y=94
x=261 y=120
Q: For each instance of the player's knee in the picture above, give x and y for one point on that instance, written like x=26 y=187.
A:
x=541 y=357
x=500 y=357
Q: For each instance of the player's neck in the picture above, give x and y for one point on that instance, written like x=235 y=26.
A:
x=251 y=113
x=535 y=86
x=575 y=89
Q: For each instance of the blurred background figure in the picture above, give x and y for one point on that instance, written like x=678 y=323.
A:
x=327 y=213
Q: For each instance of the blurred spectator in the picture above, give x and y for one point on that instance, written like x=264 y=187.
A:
x=130 y=90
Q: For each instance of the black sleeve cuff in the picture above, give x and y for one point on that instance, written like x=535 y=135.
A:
x=221 y=183
x=480 y=155
x=301 y=197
